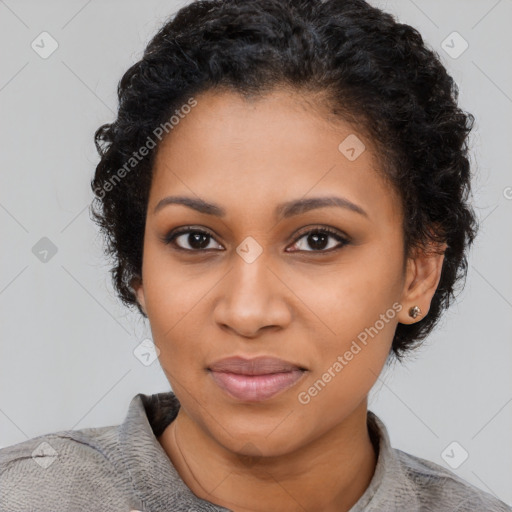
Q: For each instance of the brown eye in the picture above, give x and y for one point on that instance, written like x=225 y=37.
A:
x=318 y=240
x=197 y=239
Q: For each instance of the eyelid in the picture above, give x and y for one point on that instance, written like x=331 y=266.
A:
x=341 y=237
x=318 y=227
x=169 y=238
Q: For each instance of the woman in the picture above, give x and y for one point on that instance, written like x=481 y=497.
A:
x=284 y=193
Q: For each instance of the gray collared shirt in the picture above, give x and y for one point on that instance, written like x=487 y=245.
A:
x=124 y=467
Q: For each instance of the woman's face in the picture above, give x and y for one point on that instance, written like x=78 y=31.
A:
x=266 y=279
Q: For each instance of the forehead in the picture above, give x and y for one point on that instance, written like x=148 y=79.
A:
x=266 y=150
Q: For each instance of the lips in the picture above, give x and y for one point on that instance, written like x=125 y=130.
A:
x=257 y=366
x=254 y=380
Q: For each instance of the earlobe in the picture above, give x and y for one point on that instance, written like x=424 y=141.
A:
x=138 y=288
x=422 y=278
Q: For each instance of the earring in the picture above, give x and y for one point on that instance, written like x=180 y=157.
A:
x=414 y=312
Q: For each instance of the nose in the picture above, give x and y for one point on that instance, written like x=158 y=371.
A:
x=252 y=297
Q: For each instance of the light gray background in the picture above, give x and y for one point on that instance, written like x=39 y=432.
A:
x=66 y=349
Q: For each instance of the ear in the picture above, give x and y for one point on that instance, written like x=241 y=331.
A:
x=138 y=287
x=423 y=274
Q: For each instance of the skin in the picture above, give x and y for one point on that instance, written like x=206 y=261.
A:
x=294 y=301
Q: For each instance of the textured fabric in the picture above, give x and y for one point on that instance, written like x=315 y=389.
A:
x=124 y=467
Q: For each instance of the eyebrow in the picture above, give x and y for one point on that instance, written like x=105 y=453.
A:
x=283 y=210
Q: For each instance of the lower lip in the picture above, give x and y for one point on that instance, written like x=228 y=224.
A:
x=255 y=388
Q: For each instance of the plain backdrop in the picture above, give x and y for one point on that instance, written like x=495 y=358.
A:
x=67 y=344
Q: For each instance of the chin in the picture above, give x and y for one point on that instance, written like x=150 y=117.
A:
x=256 y=442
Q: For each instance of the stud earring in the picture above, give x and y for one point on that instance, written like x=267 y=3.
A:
x=414 y=312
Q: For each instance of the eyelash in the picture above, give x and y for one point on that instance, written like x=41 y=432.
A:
x=169 y=239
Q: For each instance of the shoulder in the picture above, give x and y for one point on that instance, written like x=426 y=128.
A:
x=45 y=449
x=65 y=470
x=437 y=486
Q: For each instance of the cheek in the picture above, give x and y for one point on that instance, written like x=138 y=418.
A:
x=170 y=298
x=347 y=365
x=359 y=310
x=356 y=295
x=170 y=290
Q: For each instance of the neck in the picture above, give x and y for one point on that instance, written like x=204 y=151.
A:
x=329 y=474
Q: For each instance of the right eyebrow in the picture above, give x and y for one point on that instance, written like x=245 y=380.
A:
x=191 y=202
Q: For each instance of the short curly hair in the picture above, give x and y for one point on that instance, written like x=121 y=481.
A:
x=367 y=68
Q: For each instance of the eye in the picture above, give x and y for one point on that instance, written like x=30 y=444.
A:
x=197 y=239
x=318 y=238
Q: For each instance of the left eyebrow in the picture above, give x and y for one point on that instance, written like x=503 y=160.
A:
x=297 y=207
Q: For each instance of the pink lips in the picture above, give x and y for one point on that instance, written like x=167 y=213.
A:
x=254 y=380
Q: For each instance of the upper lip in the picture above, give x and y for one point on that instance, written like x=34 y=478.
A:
x=262 y=365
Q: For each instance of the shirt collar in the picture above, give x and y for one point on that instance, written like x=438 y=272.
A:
x=389 y=481
x=159 y=487
x=155 y=480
